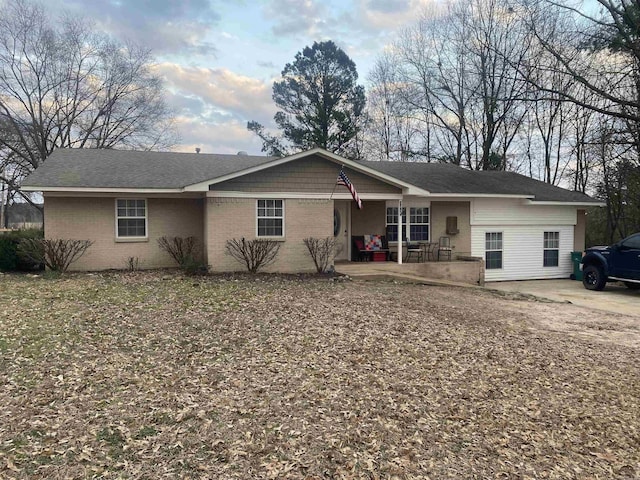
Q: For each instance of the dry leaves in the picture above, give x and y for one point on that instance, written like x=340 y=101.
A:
x=149 y=375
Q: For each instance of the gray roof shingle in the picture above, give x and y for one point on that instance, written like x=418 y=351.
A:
x=448 y=178
x=92 y=168
x=168 y=170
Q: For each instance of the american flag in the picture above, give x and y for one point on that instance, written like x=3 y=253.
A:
x=344 y=180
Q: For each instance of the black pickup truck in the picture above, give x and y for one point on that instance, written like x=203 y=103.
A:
x=618 y=262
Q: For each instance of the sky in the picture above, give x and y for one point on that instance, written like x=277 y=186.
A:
x=219 y=58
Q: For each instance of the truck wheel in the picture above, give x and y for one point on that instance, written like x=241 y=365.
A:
x=632 y=285
x=593 y=278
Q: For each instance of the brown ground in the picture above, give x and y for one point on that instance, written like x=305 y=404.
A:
x=147 y=375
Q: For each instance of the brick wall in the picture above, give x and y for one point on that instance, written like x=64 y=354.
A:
x=229 y=218
x=93 y=218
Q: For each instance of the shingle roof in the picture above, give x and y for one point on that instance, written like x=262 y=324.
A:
x=447 y=178
x=77 y=168
x=93 y=168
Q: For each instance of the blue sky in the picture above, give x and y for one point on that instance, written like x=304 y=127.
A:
x=220 y=58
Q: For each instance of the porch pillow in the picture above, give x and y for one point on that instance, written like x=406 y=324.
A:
x=372 y=242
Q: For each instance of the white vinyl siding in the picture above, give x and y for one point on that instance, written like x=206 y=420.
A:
x=523 y=251
x=511 y=211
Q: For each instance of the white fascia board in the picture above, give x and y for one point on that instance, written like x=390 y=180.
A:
x=479 y=195
x=302 y=195
x=569 y=204
x=408 y=189
x=101 y=190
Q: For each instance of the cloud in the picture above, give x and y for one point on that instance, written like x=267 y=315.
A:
x=217 y=137
x=293 y=17
x=389 y=15
x=220 y=90
x=167 y=26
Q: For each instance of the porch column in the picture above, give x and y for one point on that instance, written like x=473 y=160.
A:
x=400 y=232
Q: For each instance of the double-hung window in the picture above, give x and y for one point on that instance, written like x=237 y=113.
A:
x=551 y=252
x=415 y=225
x=418 y=224
x=131 y=218
x=493 y=250
x=270 y=218
x=392 y=223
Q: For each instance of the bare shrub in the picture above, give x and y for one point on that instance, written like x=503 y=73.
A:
x=182 y=249
x=255 y=254
x=322 y=251
x=133 y=264
x=56 y=254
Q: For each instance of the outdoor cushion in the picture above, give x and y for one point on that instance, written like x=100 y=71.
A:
x=372 y=242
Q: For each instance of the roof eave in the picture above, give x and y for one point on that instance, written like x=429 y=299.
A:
x=45 y=189
x=568 y=203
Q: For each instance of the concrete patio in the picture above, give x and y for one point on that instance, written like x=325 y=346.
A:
x=463 y=271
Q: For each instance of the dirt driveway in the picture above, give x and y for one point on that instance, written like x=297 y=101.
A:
x=615 y=298
x=611 y=316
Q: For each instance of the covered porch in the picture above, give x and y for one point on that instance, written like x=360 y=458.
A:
x=422 y=232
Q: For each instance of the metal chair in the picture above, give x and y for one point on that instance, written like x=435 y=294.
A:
x=444 y=248
x=432 y=251
x=414 y=249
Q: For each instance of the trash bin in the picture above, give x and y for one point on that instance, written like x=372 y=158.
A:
x=575 y=260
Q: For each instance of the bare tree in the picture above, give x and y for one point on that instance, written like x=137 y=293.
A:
x=62 y=85
x=457 y=74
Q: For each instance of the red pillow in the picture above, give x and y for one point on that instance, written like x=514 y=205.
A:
x=359 y=244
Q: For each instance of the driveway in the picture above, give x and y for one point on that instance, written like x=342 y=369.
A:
x=615 y=298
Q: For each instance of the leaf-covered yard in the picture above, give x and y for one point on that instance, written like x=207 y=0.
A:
x=150 y=375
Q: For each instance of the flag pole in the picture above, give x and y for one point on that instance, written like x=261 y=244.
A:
x=335 y=184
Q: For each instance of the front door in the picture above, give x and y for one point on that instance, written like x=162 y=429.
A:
x=341 y=220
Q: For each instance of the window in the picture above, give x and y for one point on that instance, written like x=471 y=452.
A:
x=270 y=218
x=493 y=250
x=415 y=227
x=551 y=249
x=418 y=224
x=131 y=218
x=392 y=223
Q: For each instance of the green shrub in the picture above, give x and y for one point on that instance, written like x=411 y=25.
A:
x=10 y=257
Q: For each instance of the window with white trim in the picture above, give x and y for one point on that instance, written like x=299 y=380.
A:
x=415 y=226
x=493 y=250
x=270 y=218
x=551 y=252
x=392 y=223
x=131 y=218
x=419 y=224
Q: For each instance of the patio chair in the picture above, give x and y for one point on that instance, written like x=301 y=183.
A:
x=414 y=249
x=432 y=251
x=359 y=253
x=444 y=248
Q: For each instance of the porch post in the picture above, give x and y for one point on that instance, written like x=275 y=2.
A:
x=400 y=232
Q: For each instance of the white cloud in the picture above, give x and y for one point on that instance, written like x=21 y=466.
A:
x=220 y=89
x=390 y=15
x=228 y=137
x=214 y=106
x=167 y=26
